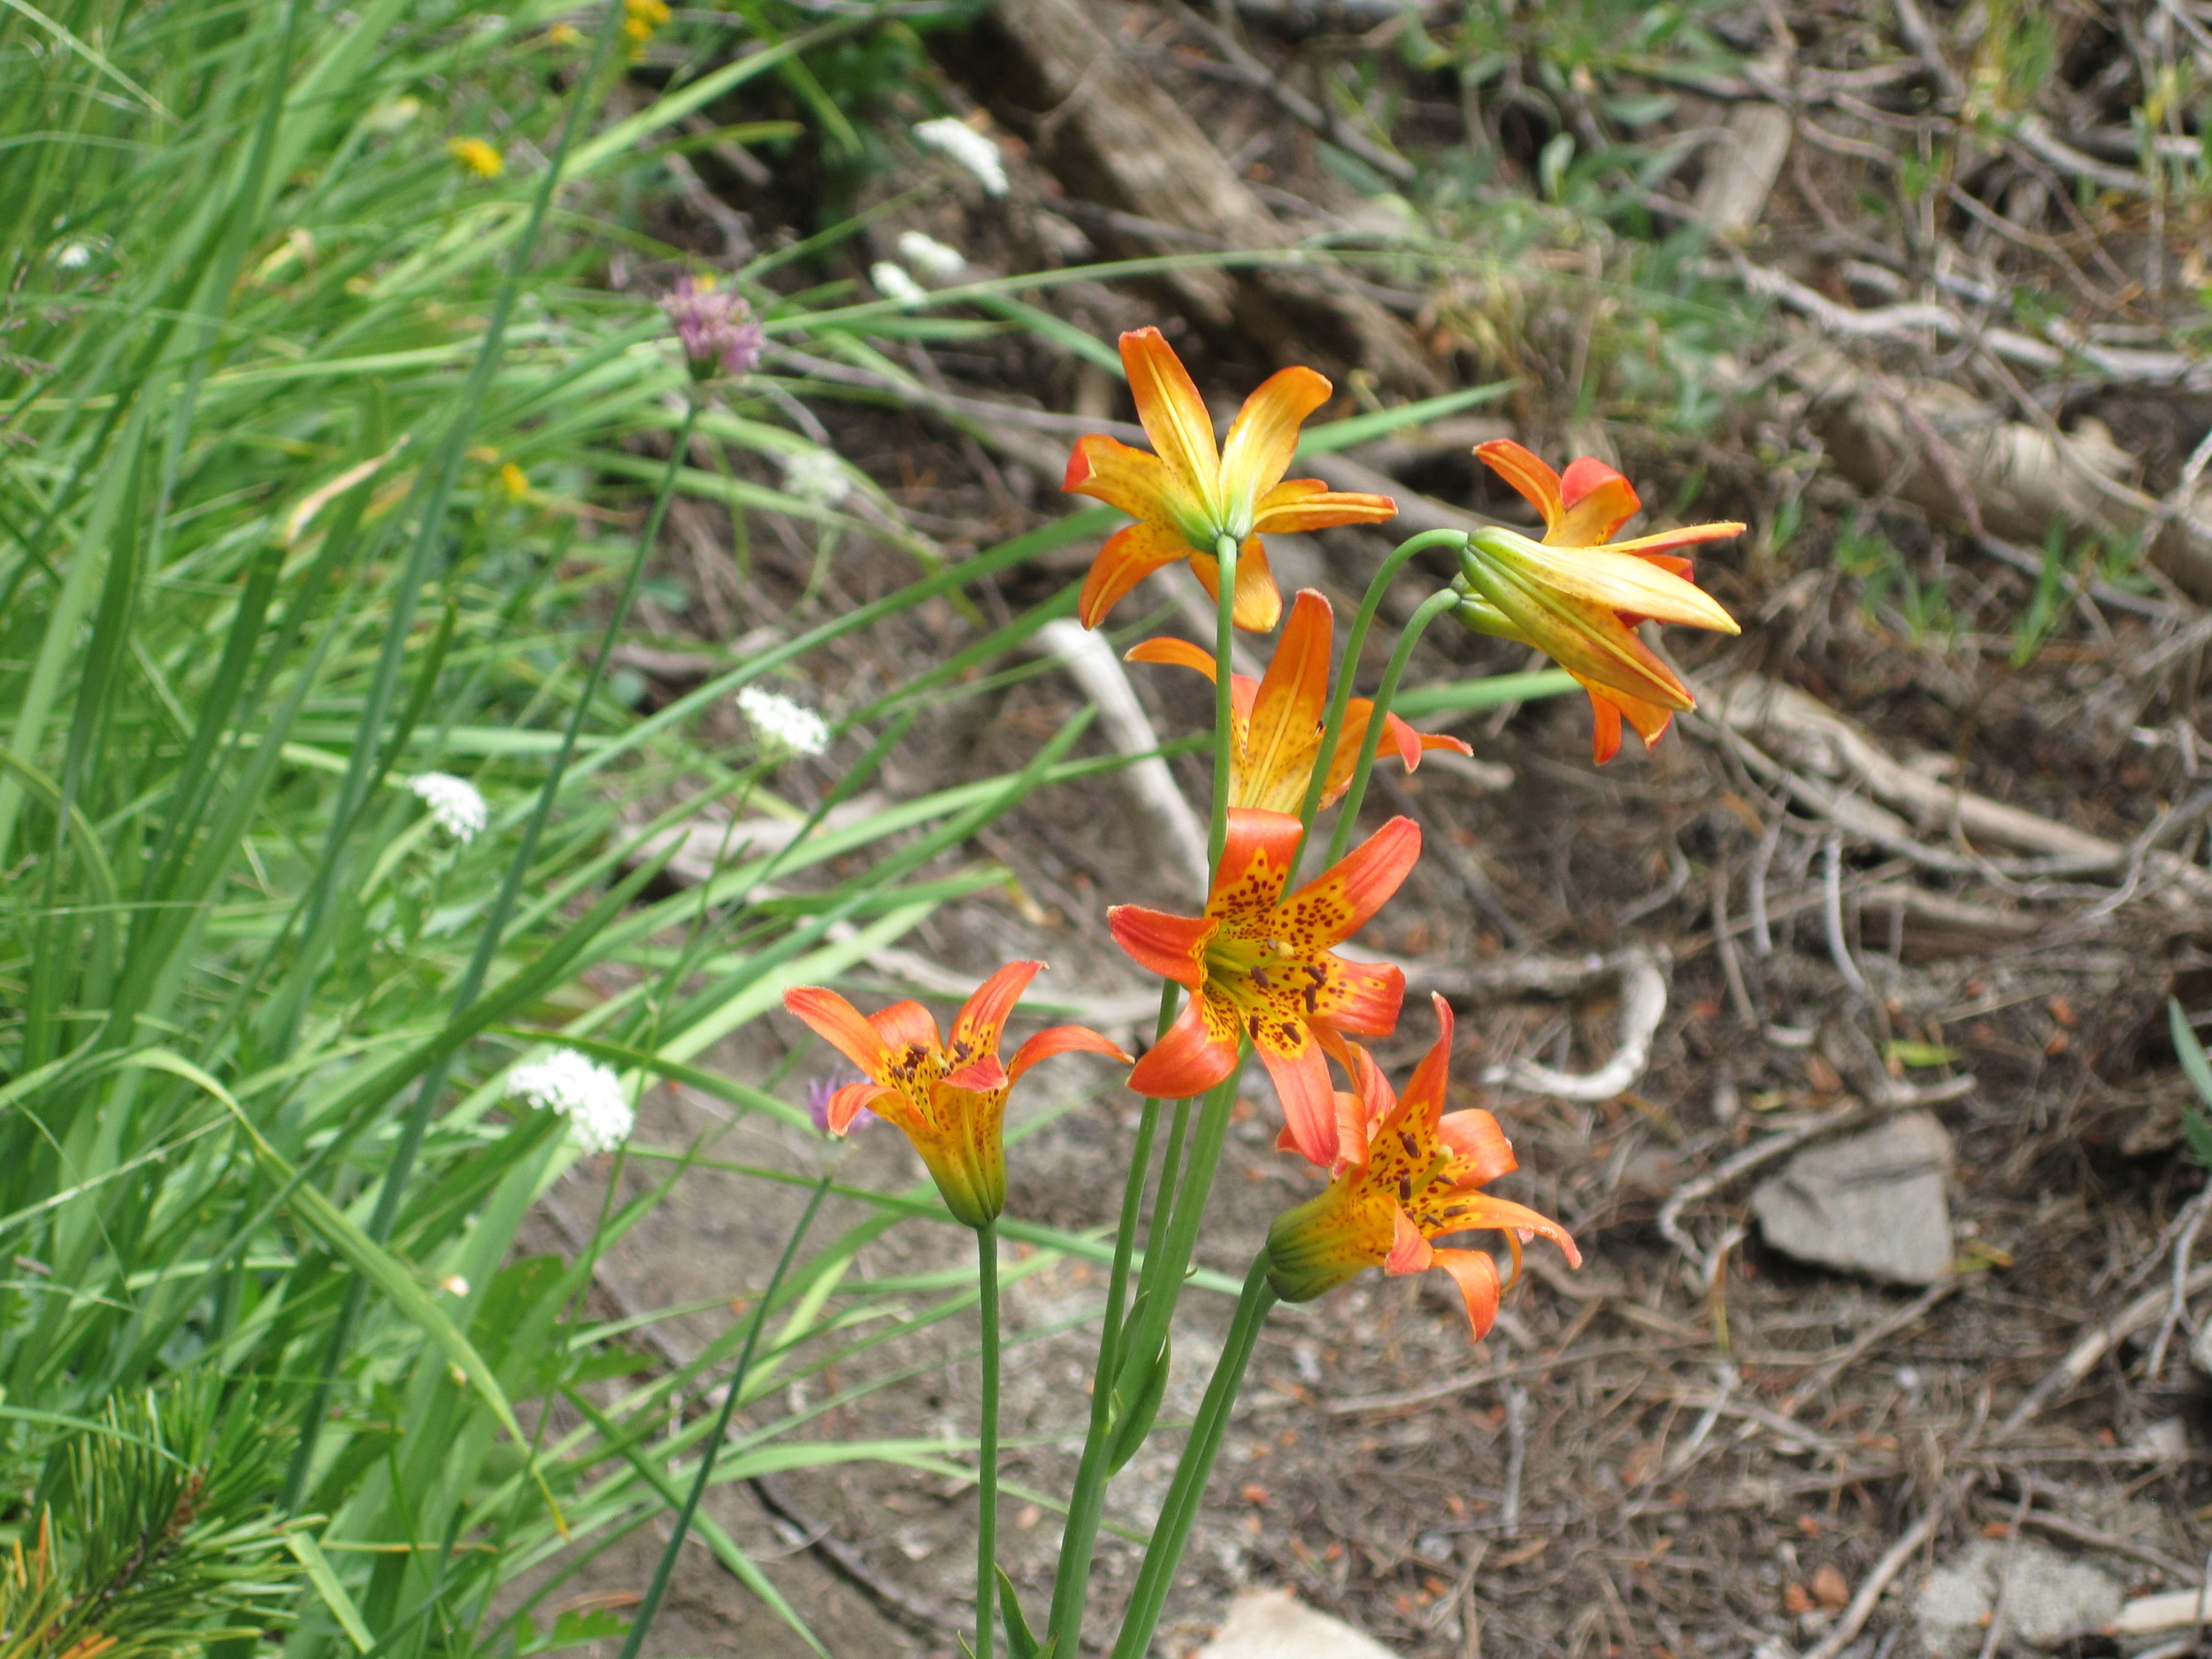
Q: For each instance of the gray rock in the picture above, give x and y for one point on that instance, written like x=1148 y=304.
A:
x=1275 y=1624
x=2052 y=1597
x=1875 y=1203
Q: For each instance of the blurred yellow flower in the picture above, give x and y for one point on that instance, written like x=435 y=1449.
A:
x=564 y=34
x=515 y=481
x=477 y=156
x=642 y=17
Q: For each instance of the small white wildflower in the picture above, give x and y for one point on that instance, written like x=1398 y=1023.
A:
x=454 y=1285
x=780 y=723
x=817 y=476
x=589 y=1094
x=455 y=805
x=894 y=282
x=930 y=257
x=958 y=142
x=74 y=256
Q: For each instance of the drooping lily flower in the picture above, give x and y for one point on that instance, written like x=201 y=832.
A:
x=1261 y=965
x=1275 y=723
x=949 y=1098
x=1579 y=596
x=1188 y=495
x=1417 y=1179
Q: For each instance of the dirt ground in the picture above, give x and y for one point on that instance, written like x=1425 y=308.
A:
x=1695 y=1446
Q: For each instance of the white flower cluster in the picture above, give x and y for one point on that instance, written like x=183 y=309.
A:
x=958 y=142
x=817 y=476
x=456 y=805
x=925 y=254
x=895 y=282
x=589 y=1094
x=788 y=727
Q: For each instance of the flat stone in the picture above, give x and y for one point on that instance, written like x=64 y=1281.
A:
x=1276 y=1624
x=2052 y=1597
x=1876 y=1202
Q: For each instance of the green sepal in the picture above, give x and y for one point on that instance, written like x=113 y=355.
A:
x=1019 y=1643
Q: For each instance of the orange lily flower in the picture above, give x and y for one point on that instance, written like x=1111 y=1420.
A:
x=1417 y=1181
x=1188 y=495
x=1582 y=602
x=1260 y=964
x=949 y=1098
x=1275 y=724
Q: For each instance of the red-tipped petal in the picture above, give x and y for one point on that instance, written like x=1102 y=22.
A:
x=1598 y=501
x=1605 y=729
x=1307 y=504
x=1259 y=603
x=1188 y=1061
x=840 y=1024
x=1061 y=1039
x=1482 y=1212
x=1363 y=997
x=1475 y=1136
x=983 y=1016
x=906 y=1025
x=1477 y=1277
x=1174 y=415
x=1109 y=471
x=1537 y=483
x=1424 y=1089
x=1341 y=900
x=850 y=1101
x=1409 y=1251
x=1173 y=946
x=1177 y=653
x=1131 y=554
x=1255 y=859
x=1309 y=1116
x=983 y=1075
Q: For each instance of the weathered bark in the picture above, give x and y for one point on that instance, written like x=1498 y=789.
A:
x=1114 y=136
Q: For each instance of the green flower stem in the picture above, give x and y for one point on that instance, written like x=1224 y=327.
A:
x=1342 y=699
x=642 y=1620
x=1178 y=1512
x=1348 y=815
x=987 y=1450
x=1224 y=730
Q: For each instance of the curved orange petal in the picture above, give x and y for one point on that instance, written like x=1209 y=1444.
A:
x=850 y=1101
x=1361 y=997
x=1477 y=1277
x=1684 y=536
x=1131 y=554
x=1474 y=1135
x=1174 y=416
x=1173 y=946
x=1176 y=653
x=1255 y=859
x=1605 y=728
x=1308 y=503
x=1259 y=604
x=1619 y=582
x=1189 y=1060
x=1135 y=480
x=1302 y=1084
x=1265 y=435
x=1423 y=1094
x=1286 y=715
x=906 y=1025
x=1537 y=483
x=1612 y=705
x=983 y=1075
x=1599 y=501
x=1483 y=1212
x=1061 y=1039
x=1409 y=1251
x=837 y=1022
x=983 y=1016
x=1343 y=899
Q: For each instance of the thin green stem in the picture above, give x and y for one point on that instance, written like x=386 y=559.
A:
x=986 y=1449
x=1225 y=729
x=650 y=1605
x=1348 y=815
x=1178 y=1512
x=1086 y=1500
x=1333 y=731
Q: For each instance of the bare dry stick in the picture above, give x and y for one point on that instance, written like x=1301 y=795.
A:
x=2082 y=1358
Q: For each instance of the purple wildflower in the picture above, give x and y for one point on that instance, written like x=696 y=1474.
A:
x=819 y=1090
x=716 y=325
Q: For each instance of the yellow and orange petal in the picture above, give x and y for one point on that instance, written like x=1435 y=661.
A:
x=1417 y=1178
x=1275 y=724
x=1188 y=495
x=1261 y=967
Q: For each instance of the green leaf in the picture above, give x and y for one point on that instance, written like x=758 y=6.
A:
x=1019 y=1643
x=325 y=1579
x=1464 y=697
x=1139 y=1385
x=1909 y=1053
x=1344 y=434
